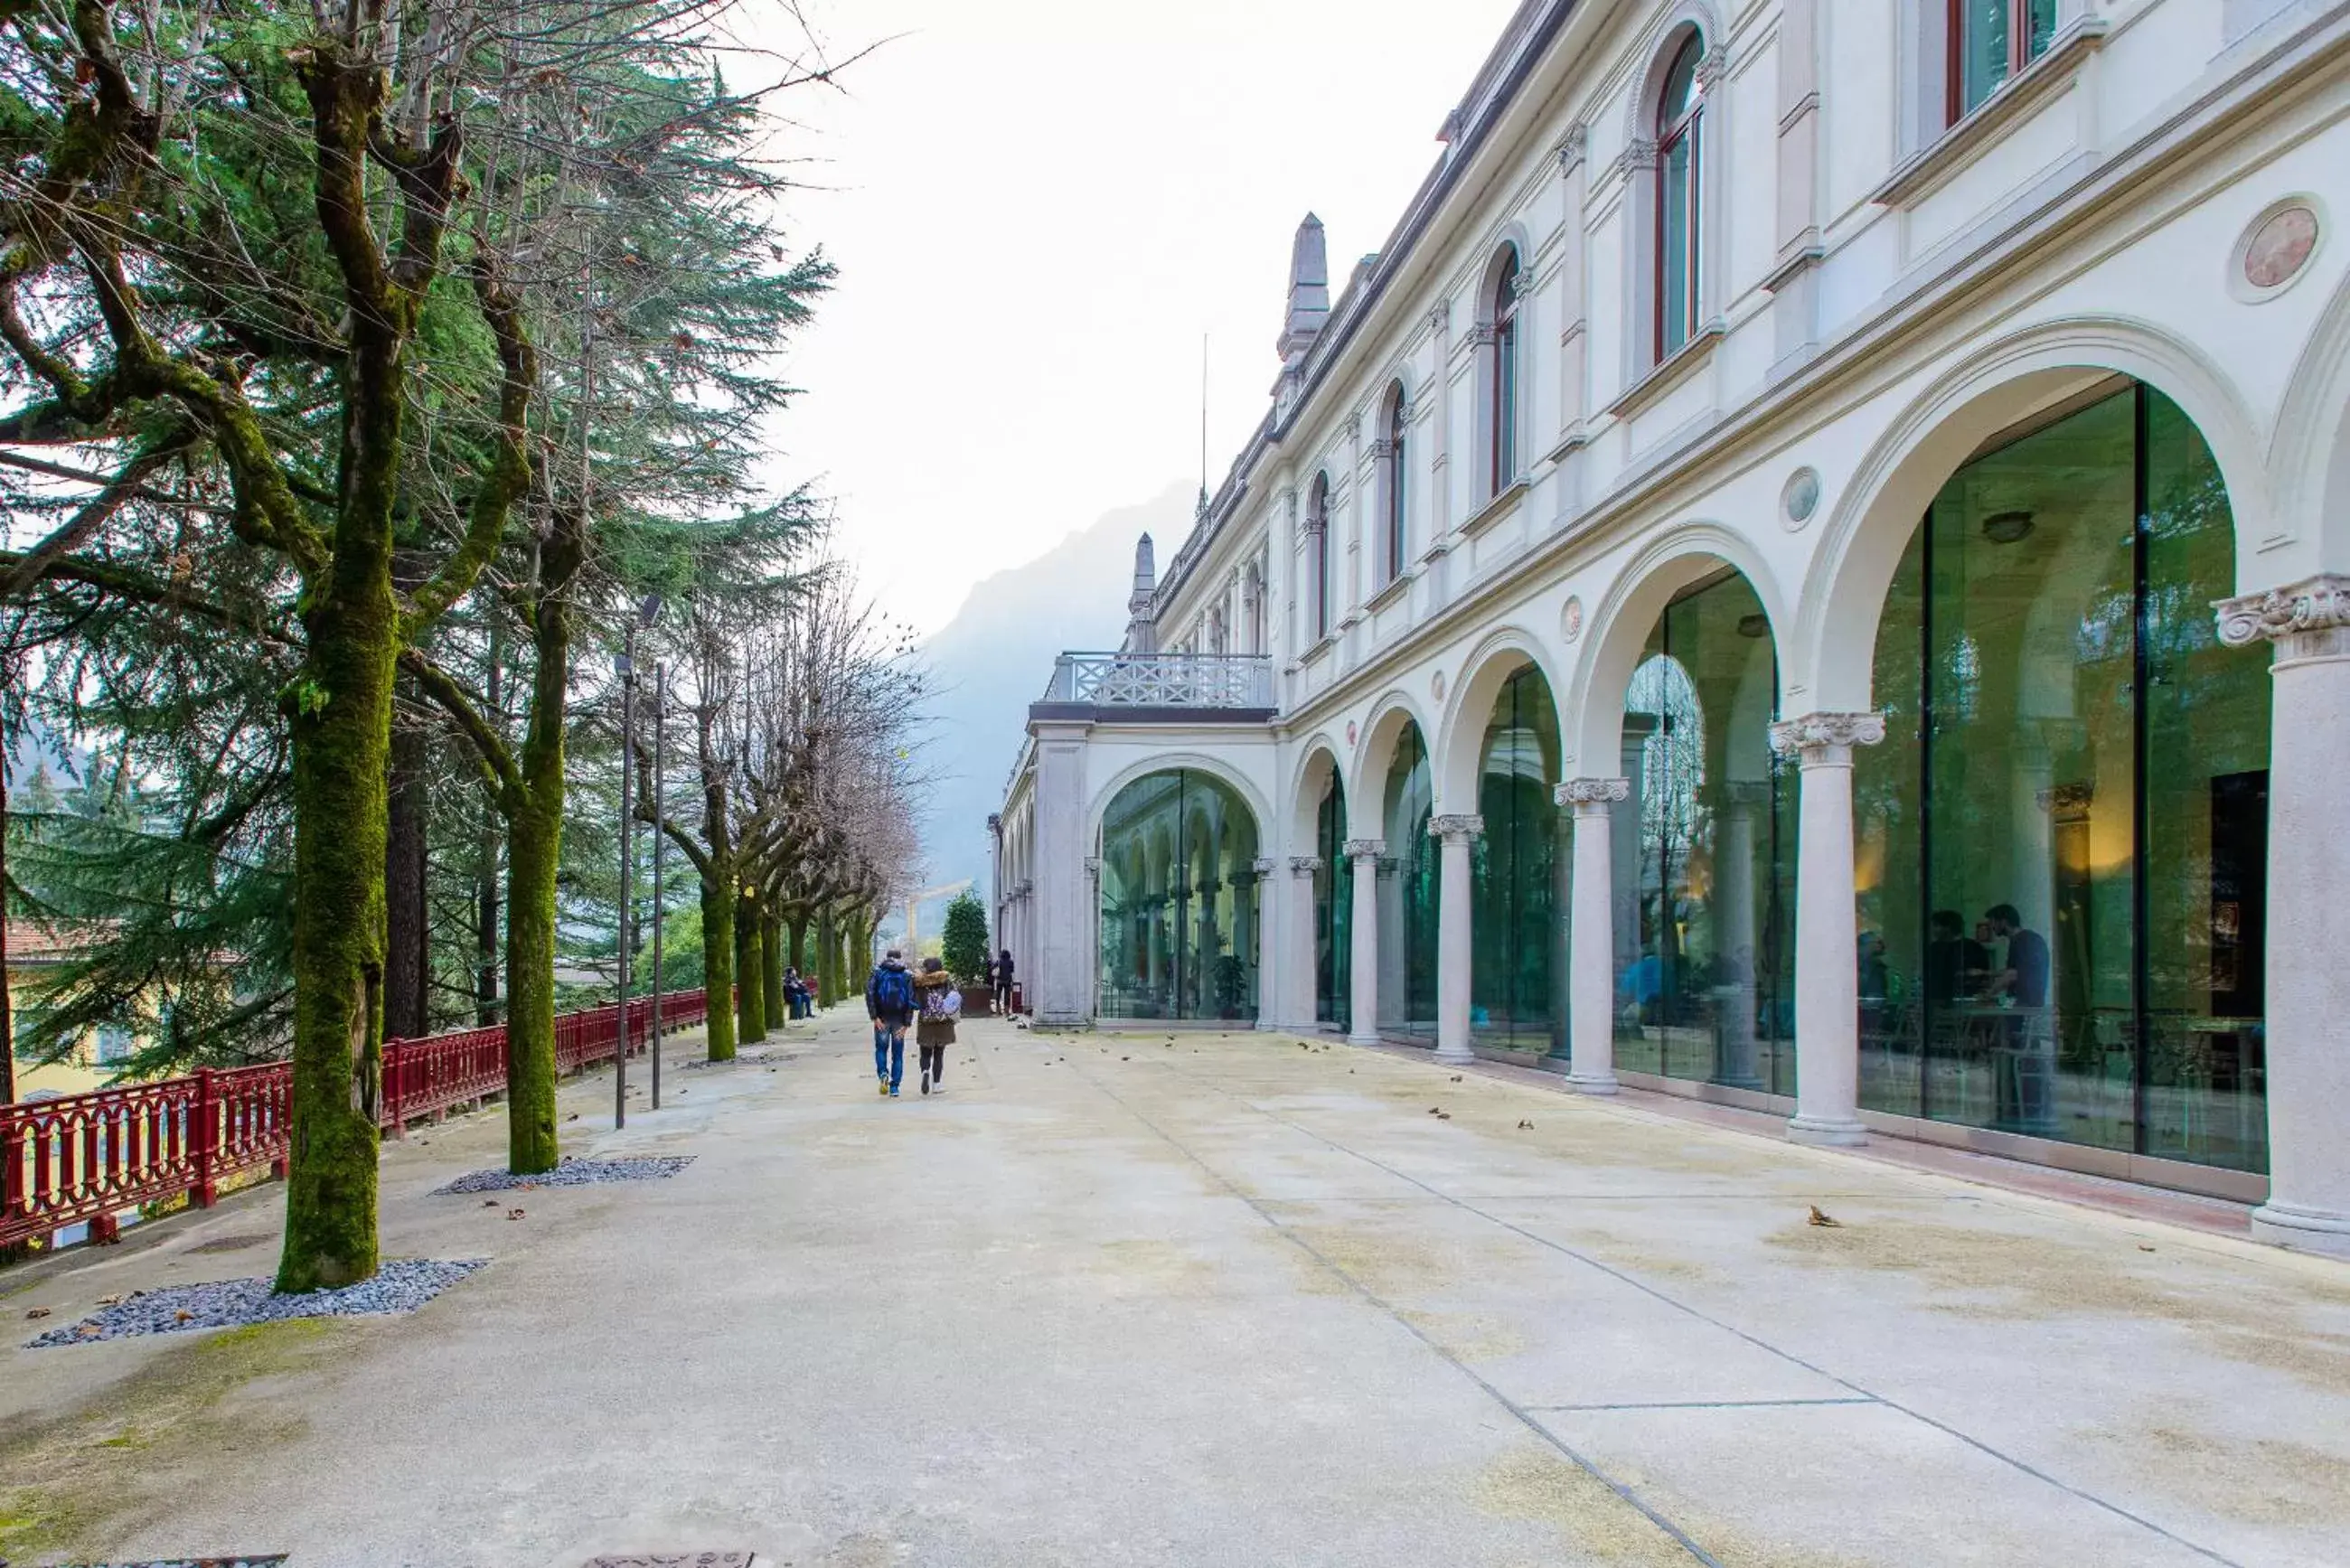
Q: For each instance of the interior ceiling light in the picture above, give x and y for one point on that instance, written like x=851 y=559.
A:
x=2007 y=527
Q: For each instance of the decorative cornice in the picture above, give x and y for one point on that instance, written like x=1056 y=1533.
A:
x=1365 y=848
x=1826 y=739
x=1456 y=829
x=1597 y=793
x=2307 y=619
x=1304 y=865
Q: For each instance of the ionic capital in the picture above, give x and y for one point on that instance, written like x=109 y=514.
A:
x=2307 y=619
x=1456 y=829
x=1827 y=740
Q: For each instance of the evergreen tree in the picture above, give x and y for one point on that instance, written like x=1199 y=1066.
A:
x=965 y=949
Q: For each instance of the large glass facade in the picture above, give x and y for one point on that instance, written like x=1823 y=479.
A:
x=1178 y=900
x=1518 y=965
x=1704 y=852
x=1409 y=882
x=1334 y=910
x=2063 y=842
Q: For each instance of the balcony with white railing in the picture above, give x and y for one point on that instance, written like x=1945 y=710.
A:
x=1161 y=688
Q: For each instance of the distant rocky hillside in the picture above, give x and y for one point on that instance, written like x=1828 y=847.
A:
x=992 y=660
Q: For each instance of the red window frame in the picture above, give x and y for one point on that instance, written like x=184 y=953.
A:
x=2020 y=54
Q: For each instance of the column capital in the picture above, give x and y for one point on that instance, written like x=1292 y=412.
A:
x=1827 y=740
x=1264 y=865
x=2307 y=619
x=1304 y=865
x=1591 y=797
x=1456 y=829
x=1365 y=848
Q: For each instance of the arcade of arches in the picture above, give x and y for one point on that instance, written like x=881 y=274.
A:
x=2059 y=848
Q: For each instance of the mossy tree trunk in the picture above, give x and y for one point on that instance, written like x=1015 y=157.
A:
x=750 y=968
x=771 y=953
x=718 y=964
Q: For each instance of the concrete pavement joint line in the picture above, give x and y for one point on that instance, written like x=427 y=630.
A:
x=1698 y=1405
x=1517 y=1411
x=1704 y=1317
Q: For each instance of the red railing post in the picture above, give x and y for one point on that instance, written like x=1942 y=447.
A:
x=204 y=1139
x=12 y=1167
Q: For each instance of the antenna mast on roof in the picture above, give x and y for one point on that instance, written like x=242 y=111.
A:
x=1203 y=425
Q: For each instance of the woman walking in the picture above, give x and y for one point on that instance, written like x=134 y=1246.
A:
x=934 y=1029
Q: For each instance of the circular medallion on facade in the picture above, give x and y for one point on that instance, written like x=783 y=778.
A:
x=1351 y=732
x=1800 y=499
x=1570 y=619
x=1438 y=685
x=2275 y=250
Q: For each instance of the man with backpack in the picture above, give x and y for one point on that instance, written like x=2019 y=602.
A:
x=889 y=1004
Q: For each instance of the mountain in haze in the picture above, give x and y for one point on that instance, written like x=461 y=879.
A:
x=992 y=660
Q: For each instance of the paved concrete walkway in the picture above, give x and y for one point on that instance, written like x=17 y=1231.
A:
x=1204 y=1300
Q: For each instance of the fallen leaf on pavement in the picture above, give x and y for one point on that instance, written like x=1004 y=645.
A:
x=513 y=1213
x=110 y=1300
x=38 y=1312
x=1821 y=1217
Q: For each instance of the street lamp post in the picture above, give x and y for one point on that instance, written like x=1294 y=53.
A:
x=626 y=668
x=661 y=912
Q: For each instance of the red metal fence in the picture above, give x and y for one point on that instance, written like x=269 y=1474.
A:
x=89 y=1157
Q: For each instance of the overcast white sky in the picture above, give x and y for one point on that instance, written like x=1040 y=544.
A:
x=1038 y=208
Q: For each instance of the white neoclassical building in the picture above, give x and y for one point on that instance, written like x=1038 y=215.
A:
x=1812 y=571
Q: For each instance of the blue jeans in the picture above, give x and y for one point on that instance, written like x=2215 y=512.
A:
x=889 y=1052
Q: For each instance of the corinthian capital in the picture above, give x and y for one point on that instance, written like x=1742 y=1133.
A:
x=1264 y=865
x=1456 y=829
x=1304 y=865
x=2305 y=619
x=1365 y=848
x=1826 y=739
x=1595 y=795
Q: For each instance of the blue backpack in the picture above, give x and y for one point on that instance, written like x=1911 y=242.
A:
x=893 y=991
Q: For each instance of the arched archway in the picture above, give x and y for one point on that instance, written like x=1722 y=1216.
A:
x=1176 y=923
x=2060 y=847
x=1518 y=970
x=1327 y=880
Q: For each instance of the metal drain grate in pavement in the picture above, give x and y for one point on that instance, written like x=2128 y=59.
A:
x=272 y=1559
x=674 y=1560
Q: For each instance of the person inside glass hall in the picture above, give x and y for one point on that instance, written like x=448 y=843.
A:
x=1957 y=965
x=2024 y=979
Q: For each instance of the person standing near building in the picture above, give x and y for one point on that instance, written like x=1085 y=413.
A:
x=934 y=1031
x=2024 y=979
x=1003 y=981
x=889 y=1004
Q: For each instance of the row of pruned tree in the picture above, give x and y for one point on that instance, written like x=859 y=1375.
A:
x=366 y=361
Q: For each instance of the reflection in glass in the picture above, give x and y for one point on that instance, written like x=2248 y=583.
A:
x=1334 y=910
x=1995 y=40
x=1518 y=965
x=1703 y=972
x=1178 y=931
x=2062 y=841
x=1409 y=881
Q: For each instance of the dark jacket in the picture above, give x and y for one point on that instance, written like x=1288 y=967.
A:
x=929 y=1031
x=899 y=1016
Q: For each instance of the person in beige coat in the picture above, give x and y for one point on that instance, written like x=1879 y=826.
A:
x=939 y=1006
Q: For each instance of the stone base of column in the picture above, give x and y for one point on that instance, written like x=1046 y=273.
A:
x=1592 y=1082
x=2306 y=1230
x=1363 y=1039
x=1824 y=1133
x=1455 y=1053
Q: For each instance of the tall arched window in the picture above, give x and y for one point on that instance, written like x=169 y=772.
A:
x=1504 y=389
x=1252 y=607
x=1317 y=554
x=1396 y=475
x=1991 y=40
x=1680 y=150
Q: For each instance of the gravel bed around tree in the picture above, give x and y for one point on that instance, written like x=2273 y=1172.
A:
x=400 y=1286
x=572 y=1173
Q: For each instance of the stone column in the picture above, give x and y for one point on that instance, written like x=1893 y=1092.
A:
x=1363 y=1028
x=2308 y=912
x=1456 y=835
x=1827 y=926
x=1268 y=967
x=1061 y=978
x=1591 y=939
x=1304 y=979
x=1093 y=936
